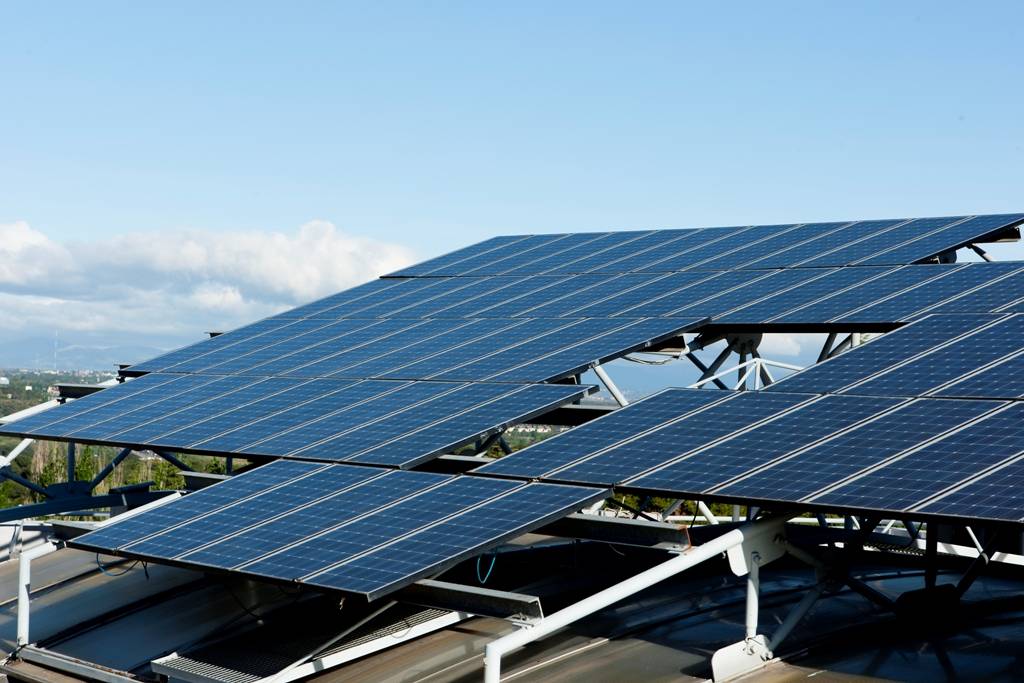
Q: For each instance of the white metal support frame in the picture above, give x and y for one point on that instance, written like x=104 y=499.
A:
x=25 y=587
x=760 y=533
x=602 y=375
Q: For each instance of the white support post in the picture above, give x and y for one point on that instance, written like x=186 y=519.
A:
x=706 y=511
x=610 y=386
x=753 y=595
x=25 y=587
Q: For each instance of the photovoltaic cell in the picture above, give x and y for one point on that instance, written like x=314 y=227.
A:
x=778 y=304
x=488 y=418
x=910 y=302
x=684 y=241
x=946 y=239
x=494 y=304
x=881 y=353
x=464 y=256
x=443 y=545
x=291 y=528
x=832 y=307
x=578 y=357
x=881 y=242
x=596 y=245
x=373 y=287
x=734 y=239
x=646 y=452
x=717 y=285
x=544 y=246
x=564 y=449
x=991 y=297
x=569 y=305
x=211 y=344
x=867 y=445
x=828 y=243
x=932 y=370
x=773 y=243
x=752 y=291
x=377 y=527
x=997 y=495
x=613 y=260
x=1003 y=380
x=733 y=457
x=127 y=530
x=251 y=511
x=662 y=285
x=924 y=473
x=345 y=308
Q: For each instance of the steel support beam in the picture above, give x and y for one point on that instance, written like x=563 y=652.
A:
x=105 y=472
x=640 y=532
x=484 y=602
x=173 y=460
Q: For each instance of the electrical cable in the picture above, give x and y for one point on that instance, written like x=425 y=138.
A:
x=483 y=579
x=127 y=569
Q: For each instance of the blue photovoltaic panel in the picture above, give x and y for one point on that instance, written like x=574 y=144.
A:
x=932 y=370
x=587 y=354
x=735 y=239
x=459 y=333
x=580 y=298
x=151 y=410
x=946 y=239
x=544 y=246
x=926 y=472
x=493 y=304
x=372 y=287
x=704 y=288
x=146 y=431
x=991 y=297
x=129 y=529
x=326 y=311
x=828 y=243
x=912 y=301
x=524 y=305
x=655 y=448
x=997 y=495
x=733 y=457
x=771 y=244
x=614 y=260
x=211 y=426
x=324 y=427
x=407 y=306
x=475 y=349
x=881 y=242
x=211 y=344
x=294 y=415
x=591 y=247
x=444 y=545
x=865 y=446
x=604 y=432
x=62 y=425
x=328 y=358
x=662 y=285
x=450 y=261
x=1003 y=380
x=291 y=528
x=879 y=354
x=685 y=240
x=472 y=289
x=759 y=288
x=248 y=512
x=381 y=306
x=513 y=356
x=88 y=403
x=377 y=527
x=778 y=304
x=444 y=436
x=350 y=442
x=856 y=297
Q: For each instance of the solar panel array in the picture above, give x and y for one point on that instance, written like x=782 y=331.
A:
x=361 y=530
x=392 y=373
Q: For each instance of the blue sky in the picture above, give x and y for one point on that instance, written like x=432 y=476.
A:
x=418 y=127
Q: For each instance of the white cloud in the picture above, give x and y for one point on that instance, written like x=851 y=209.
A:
x=172 y=286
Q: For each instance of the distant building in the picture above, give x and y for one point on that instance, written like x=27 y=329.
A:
x=28 y=387
x=4 y=382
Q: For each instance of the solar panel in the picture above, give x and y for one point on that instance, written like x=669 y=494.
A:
x=926 y=295
x=337 y=310
x=682 y=242
x=923 y=473
x=368 y=528
x=779 y=303
x=825 y=244
x=633 y=458
x=858 y=296
x=946 y=239
x=719 y=284
x=799 y=476
x=999 y=495
x=624 y=300
x=480 y=250
x=733 y=239
x=991 y=297
x=932 y=370
x=516 y=406
x=495 y=261
x=592 y=247
x=1004 y=379
x=881 y=353
x=579 y=298
x=774 y=282
x=615 y=259
x=496 y=303
x=772 y=244
x=546 y=249
x=427 y=552
x=126 y=530
x=603 y=433
x=244 y=513
x=733 y=457
x=881 y=242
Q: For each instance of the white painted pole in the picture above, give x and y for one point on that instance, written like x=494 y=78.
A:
x=609 y=596
x=25 y=586
x=610 y=386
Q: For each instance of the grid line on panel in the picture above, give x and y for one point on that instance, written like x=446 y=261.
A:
x=931 y=225
x=997 y=494
x=459 y=255
x=948 y=238
x=554 y=243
